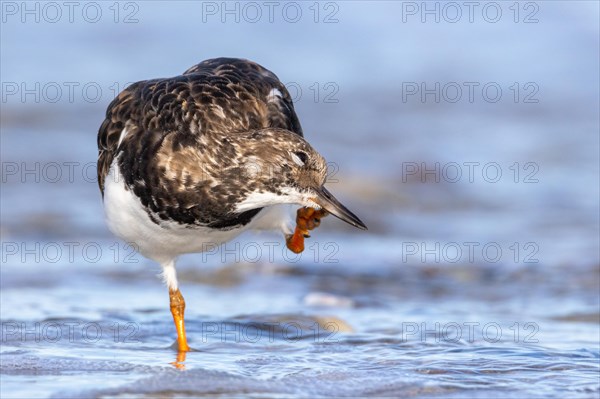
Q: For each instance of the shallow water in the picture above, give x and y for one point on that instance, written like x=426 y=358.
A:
x=294 y=331
x=459 y=289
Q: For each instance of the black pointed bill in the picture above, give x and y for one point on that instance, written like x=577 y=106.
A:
x=335 y=207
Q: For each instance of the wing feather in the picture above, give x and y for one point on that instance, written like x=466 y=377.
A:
x=225 y=95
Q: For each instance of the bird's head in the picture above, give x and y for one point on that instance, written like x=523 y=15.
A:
x=281 y=167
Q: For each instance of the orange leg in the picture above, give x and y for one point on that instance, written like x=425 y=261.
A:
x=177 y=308
x=306 y=219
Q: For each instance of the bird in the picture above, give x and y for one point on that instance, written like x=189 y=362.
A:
x=193 y=160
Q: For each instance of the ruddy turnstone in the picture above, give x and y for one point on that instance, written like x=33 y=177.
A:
x=194 y=160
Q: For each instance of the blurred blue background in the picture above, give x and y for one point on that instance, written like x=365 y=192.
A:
x=465 y=136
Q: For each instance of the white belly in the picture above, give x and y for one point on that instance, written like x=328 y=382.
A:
x=127 y=219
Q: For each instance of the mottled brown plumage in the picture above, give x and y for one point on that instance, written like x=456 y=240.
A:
x=190 y=137
x=217 y=95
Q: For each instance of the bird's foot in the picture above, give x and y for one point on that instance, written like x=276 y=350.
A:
x=306 y=219
x=177 y=310
x=179 y=362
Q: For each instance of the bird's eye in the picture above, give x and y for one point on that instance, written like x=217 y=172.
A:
x=299 y=157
